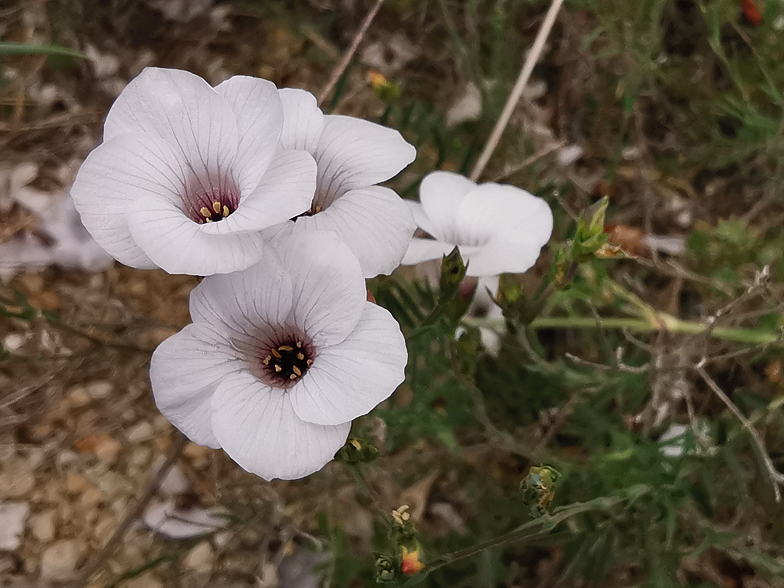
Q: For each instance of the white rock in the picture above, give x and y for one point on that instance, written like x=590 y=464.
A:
x=42 y=525
x=467 y=106
x=59 y=560
x=14 y=341
x=12 y=522
x=567 y=155
x=200 y=558
x=140 y=432
x=99 y=389
x=174 y=482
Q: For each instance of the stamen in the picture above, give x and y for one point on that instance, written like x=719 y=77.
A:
x=216 y=206
x=317 y=210
x=205 y=212
x=288 y=362
x=226 y=211
x=208 y=220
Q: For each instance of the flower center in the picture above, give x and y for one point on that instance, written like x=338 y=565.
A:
x=214 y=212
x=288 y=362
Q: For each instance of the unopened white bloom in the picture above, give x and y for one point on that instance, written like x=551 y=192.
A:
x=280 y=358
x=353 y=155
x=189 y=175
x=497 y=228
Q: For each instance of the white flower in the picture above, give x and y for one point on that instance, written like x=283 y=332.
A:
x=188 y=175
x=497 y=228
x=280 y=358
x=352 y=156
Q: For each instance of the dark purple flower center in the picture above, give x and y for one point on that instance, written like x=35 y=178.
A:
x=212 y=208
x=288 y=362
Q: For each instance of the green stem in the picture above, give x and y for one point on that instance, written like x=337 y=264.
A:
x=532 y=529
x=663 y=322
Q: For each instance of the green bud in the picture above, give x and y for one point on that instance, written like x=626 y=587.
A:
x=357 y=451
x=386 y=569
x=453 y=270
x=590 y=236
x=538 y=489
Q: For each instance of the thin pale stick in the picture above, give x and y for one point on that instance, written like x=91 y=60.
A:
x=517 y=91
x=776 y=477
x=341 y=67
x=100 y=559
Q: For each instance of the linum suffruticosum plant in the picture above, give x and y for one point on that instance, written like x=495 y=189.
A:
x=277 y=206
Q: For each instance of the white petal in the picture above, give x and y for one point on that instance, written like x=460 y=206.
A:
x=259 y=113
x=187 y=113
x=424 y=250
x=285 y=191
x=257 y=428
x=513 y=251
x=355 y=153
x=374 y=222
x=421 y=219
x=441 y=194
x=113 y=178
x=258 y=296
x=348 y=380
x=185 y=371
x=495 y=208
x=303 y=120
x=327 y=284
x=178 y=245
x=171 y=522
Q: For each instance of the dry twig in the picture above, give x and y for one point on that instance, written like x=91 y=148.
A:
x=517 y=90
x=776 y=477
x=341 y=67
x=101 y=557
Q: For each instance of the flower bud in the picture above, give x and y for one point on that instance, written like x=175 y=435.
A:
x=357 y=451
x=590 y=236
x=410 y=563
x=538 y=489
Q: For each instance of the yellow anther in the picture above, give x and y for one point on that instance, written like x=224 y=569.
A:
x=355 y=443
x=296 y=370
x=225 y=210
x=267 y=360
x=278 y=368
x=318 y=209
x=292 y=377
x=275 y=353
x=310 y=361
x=299 y=343
x=285 y=348
x=216 y=207
x=207 y=220
x=300 y=356
x=205 y=212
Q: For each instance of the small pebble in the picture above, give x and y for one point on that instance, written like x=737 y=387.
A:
x=99 y=389
x=199 y=559
x=12 y=523
x=59 y=560
x=42 y=525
